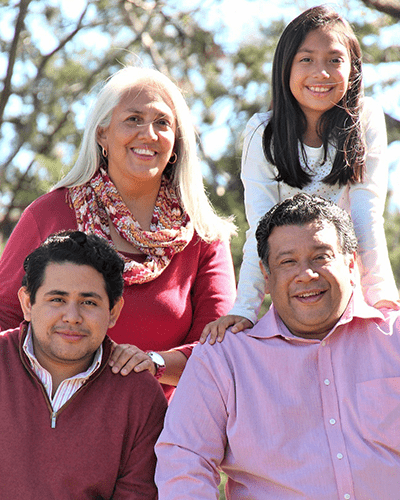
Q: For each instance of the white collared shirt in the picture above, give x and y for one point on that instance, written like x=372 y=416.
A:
x=69 y=386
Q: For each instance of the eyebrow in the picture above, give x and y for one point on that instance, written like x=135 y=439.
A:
x=140 y=112
x=291 y=252
x=311 y=51
x=84 y=295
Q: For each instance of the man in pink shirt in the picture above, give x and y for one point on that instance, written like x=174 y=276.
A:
x=69 y=427
x=306 y=404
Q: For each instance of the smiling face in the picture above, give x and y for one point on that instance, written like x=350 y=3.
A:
x=69 y=318
x=320 y=72
x=310 y=280
x=140 y=137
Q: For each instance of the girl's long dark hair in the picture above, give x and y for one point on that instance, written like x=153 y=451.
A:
x=339 y=125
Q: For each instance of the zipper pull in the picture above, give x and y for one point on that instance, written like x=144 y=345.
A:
x=53 y=420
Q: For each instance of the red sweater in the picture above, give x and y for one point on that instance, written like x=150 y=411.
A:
x=197 y=287
x=102 y=444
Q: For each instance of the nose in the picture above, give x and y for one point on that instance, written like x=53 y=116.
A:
x=321 y=71
x=306 y=273
x=147 y=130
x=72 y=314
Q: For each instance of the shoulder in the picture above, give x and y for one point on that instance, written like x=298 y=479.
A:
x=223 y=353
x=136 y=394
x=48 y=201
x=206 y=249
x=9 y=342
x=371 y=111
x=257 y=124
x=46 y=215
x=49 y=205
x=141 y=386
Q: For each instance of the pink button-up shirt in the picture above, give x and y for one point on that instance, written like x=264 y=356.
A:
x=286 y=417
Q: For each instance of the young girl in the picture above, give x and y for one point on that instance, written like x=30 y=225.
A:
x=320 y=136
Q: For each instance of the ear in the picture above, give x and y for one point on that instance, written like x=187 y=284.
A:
x=101 y=137
x=266 y=277
x=352 y=267
x=115 y=312
x=25 y=301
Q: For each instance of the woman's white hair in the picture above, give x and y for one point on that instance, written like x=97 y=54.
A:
x=186 y=172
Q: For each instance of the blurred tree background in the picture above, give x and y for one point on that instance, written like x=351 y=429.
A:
x=54 y=54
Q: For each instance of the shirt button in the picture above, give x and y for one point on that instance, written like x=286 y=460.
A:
x=323 y=342
x=327 y=381
x=339 y=456
x=347 y=496
x=332 y=421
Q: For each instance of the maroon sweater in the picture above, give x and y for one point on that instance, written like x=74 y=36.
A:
x=103 y=440
x=171 y=311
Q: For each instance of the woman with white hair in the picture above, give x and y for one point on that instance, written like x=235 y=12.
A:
x=137 y=182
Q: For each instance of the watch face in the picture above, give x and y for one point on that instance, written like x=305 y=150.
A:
x=157 y=358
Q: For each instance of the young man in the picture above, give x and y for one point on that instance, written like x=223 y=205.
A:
x=306 y=404
x=69 y=427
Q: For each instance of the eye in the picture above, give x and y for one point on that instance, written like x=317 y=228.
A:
x=337 y=60
x=322 y=257
x=133 y=119
x=164 y=122
x=288 y=262
x=57 y=299
x=89 y=303
x=305 y=59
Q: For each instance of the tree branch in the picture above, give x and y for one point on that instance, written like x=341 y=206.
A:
x=390 y=7
x=19 y=25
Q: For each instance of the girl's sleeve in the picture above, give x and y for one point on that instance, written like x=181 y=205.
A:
x=367 y=203
x=261 y=193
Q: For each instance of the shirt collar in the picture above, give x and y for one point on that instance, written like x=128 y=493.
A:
x=37 y=367
x=271 y=325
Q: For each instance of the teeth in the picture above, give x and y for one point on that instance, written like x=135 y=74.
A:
x=309 y=294
x=320 y=89
x=143 y=152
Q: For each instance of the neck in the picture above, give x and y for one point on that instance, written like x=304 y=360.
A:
x=140 y=199
x=310 y=137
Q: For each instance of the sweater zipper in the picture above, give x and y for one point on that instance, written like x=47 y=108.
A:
x=53 y=414
x=53 y=419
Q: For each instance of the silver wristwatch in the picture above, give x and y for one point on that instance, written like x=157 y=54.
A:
x=159 y=363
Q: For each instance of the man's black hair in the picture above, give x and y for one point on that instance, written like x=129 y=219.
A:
x=77 y=248
x=302 y=209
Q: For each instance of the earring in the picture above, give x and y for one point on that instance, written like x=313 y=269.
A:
x=175 y=159
x=104 y=152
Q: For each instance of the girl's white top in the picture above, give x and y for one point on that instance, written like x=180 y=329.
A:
x=365 y=203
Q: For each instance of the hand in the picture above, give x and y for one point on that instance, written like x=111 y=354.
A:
x=216 y=329
x=126 y=357
x=388 y=304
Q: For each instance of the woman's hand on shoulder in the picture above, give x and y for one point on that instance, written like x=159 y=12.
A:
x=127 y=357
x=216 y=329
x=388 y=304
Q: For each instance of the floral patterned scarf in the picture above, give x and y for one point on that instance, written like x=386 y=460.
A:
x=98 y=201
